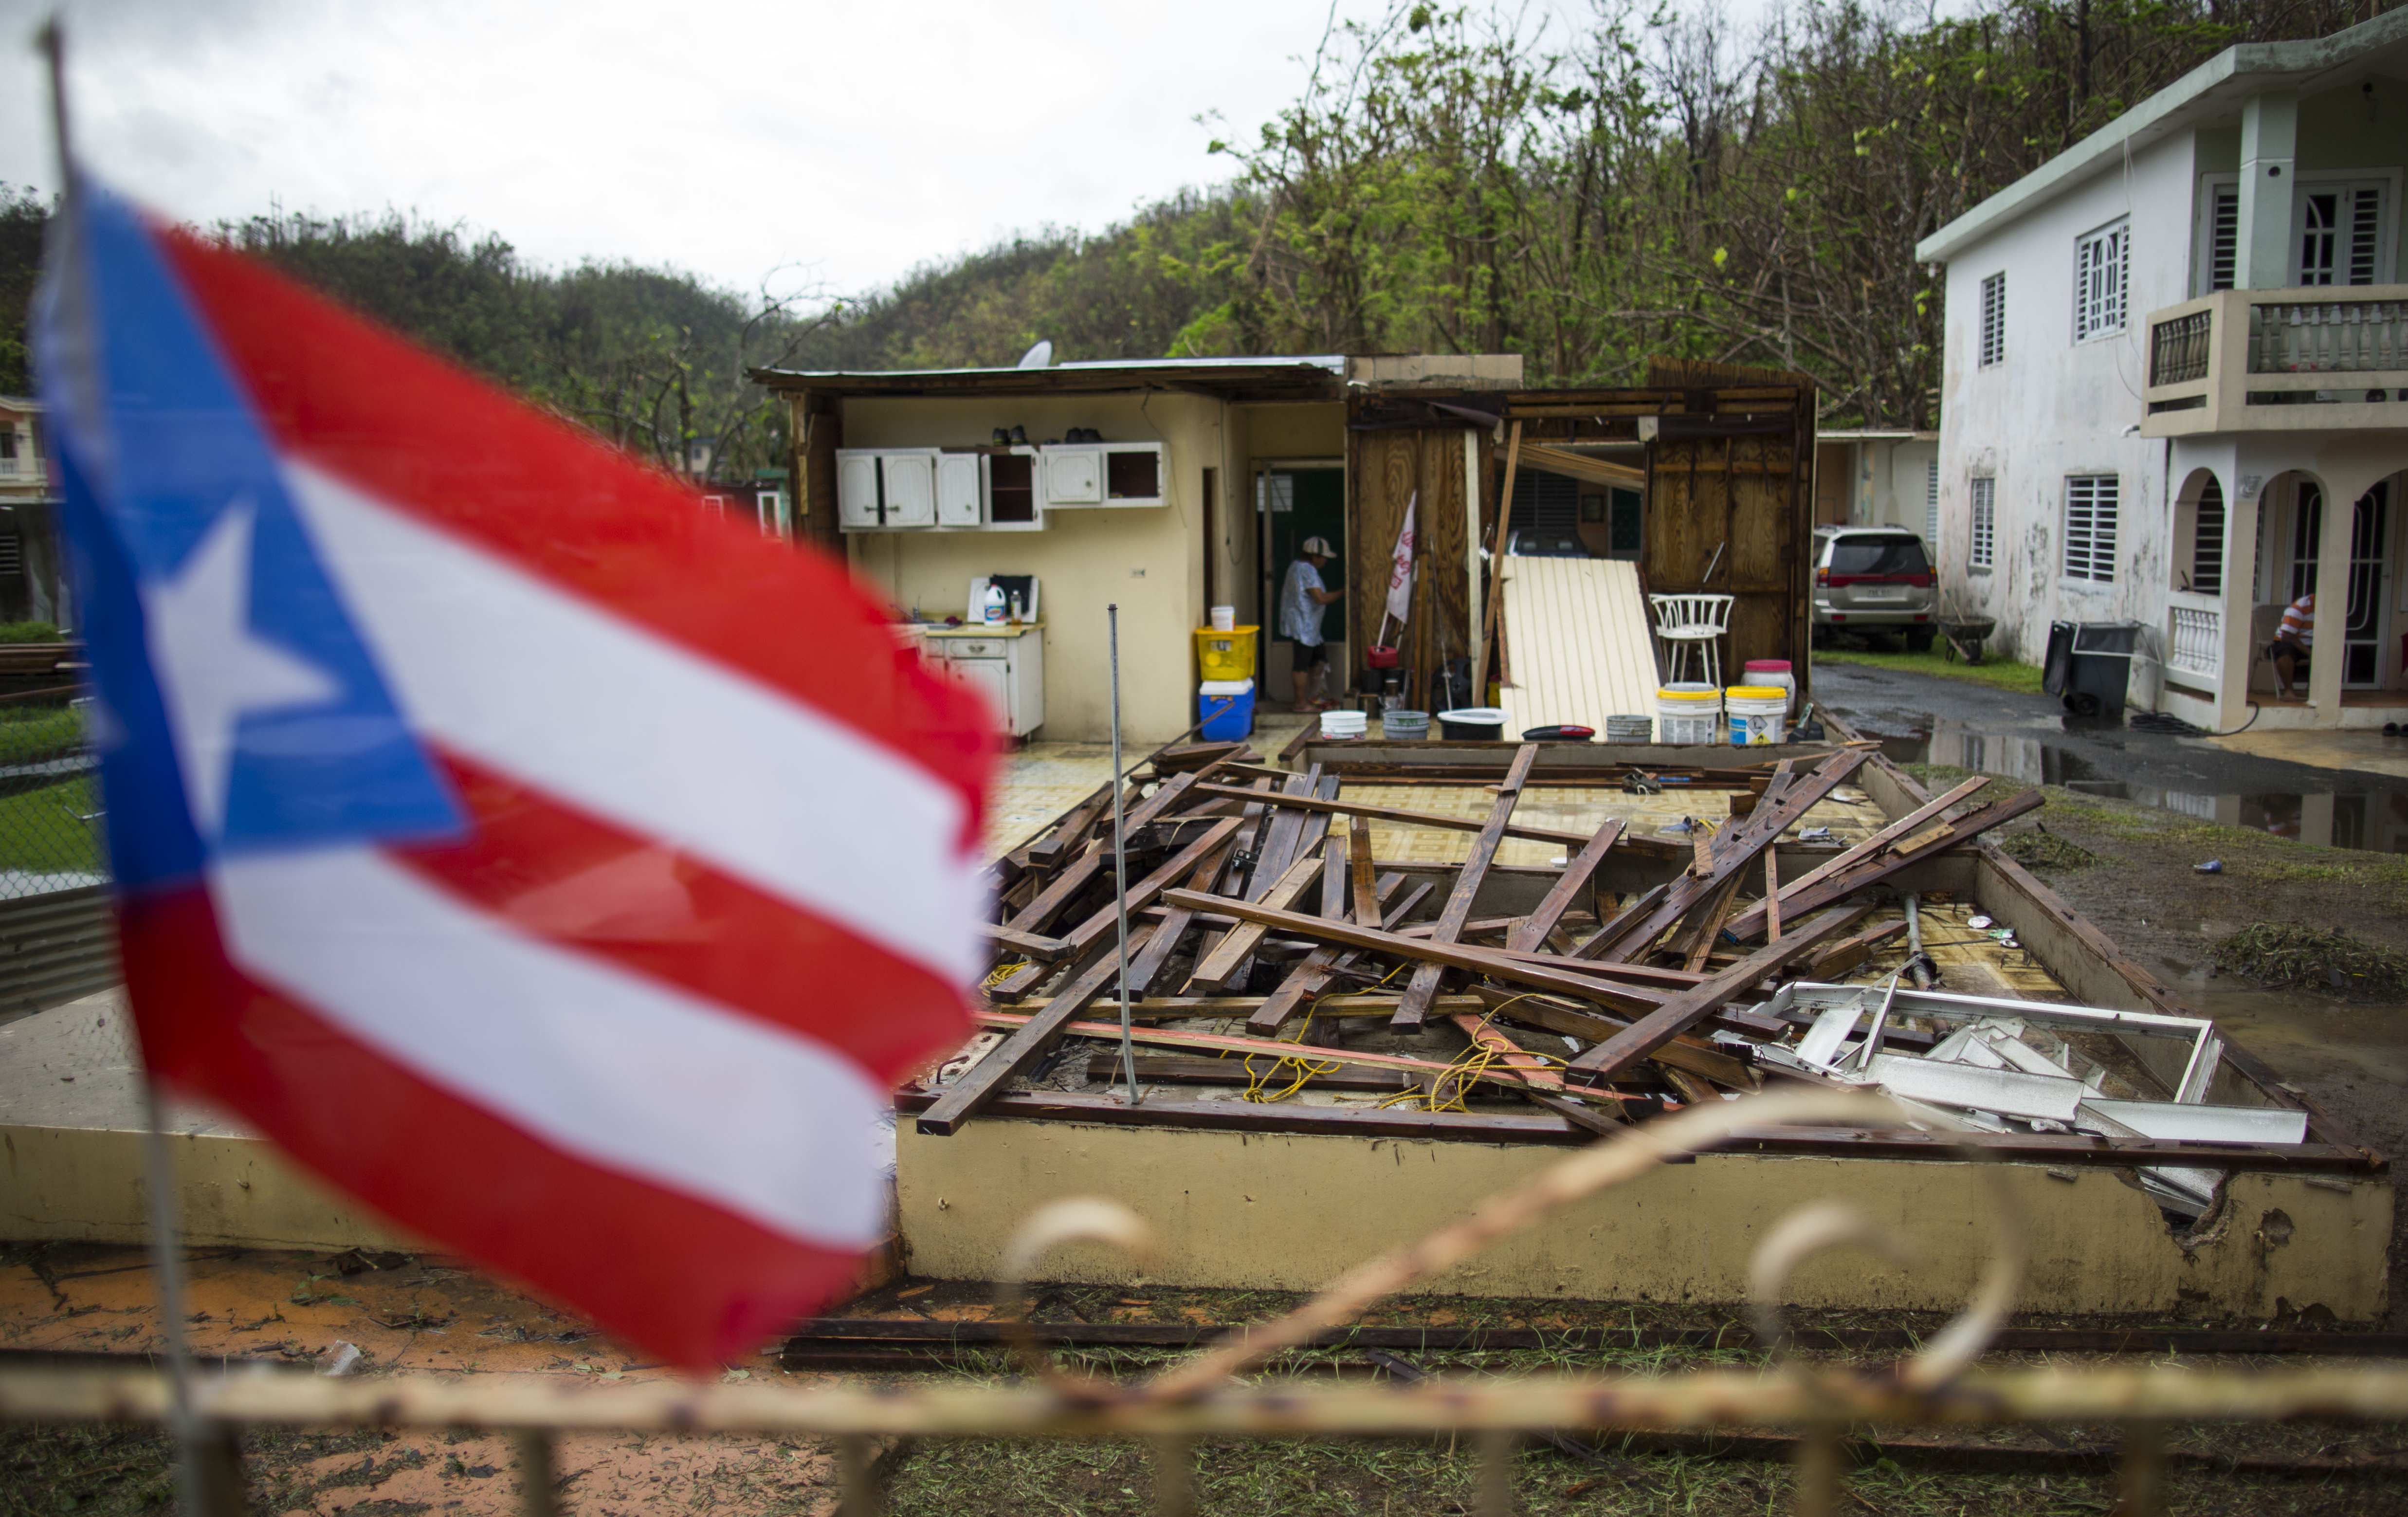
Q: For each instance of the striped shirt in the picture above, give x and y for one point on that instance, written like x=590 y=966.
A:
x=2299 y=621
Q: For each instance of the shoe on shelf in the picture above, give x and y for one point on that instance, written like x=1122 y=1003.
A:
x=1020 y=435
x=1001 y=438
x=2392 y=729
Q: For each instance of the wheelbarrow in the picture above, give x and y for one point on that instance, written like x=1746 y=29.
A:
x=1965 y=637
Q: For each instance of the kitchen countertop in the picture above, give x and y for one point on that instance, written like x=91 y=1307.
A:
x=980 y=629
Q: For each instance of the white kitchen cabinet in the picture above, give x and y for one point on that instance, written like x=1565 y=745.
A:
x=908 y=476
x=1136 y=474
x=1008 y=663
x=957 y=490
x=1074 y=475
x=856 y=488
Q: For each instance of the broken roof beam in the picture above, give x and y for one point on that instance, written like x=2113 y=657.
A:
x=1396 y=817
x=1804 y=897
x=1693 y=1006
x=1731 y=850
x=983 y=1082
x=1468 y=879
x=1577 y=981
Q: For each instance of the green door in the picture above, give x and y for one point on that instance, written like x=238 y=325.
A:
x=1299 y=504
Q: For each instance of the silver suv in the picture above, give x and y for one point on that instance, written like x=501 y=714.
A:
x=1875 y=580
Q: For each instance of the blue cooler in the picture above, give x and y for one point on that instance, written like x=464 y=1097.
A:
x=1235 y=721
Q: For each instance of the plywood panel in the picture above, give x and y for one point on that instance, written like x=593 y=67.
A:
x=1582 y=647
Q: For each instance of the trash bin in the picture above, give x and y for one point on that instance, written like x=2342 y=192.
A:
x=2090 y=664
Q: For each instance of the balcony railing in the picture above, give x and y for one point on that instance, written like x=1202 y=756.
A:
x=2341 y=336
x=2279 y=360
x=2194 y=640
x=2178 y=349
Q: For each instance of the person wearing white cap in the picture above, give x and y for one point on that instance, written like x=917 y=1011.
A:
x=1302 y=595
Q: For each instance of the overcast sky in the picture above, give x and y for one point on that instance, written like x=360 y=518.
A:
x=726 y=136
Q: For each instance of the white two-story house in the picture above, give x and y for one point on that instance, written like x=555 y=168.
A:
x=2176 y=386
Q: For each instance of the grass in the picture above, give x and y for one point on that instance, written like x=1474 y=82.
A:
x=1999 y=674
x=40 y=833
x=2317 y=957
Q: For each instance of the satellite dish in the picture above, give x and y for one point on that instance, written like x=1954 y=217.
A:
x=1041 y=356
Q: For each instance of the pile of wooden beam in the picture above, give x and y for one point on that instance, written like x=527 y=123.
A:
x=1269 y=950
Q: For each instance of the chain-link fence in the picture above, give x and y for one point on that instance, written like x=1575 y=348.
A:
x=49 y=800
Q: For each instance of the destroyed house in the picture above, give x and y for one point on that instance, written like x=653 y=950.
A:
x=1169 y=487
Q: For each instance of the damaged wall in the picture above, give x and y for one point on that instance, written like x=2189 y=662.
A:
x=1291 y=1211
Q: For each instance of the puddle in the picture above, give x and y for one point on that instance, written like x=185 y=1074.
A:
x=2363 y=814
x=2305 y=1036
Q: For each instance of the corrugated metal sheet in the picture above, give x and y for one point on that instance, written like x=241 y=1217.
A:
x=57 y=947
x=1578 y=637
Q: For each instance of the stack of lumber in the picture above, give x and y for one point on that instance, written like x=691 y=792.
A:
x=1269 y=950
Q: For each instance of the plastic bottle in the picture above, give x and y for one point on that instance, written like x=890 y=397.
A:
x=994 y=606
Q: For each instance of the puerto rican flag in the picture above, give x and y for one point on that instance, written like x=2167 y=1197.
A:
x=568 y=873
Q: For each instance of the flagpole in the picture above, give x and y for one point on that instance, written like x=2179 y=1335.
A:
x=209 y=1472
x=1120 y=853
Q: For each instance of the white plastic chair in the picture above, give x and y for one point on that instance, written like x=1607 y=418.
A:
x=1688 y=624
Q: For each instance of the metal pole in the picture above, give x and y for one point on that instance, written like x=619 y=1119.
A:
x=1120 y=853
x=207 y=1473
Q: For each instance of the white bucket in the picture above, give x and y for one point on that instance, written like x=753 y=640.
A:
x=1224 y=619
x=1688 y=714
x=1762 y=673
x=1631 y=729
x=1339 y=723
x=1759 y=715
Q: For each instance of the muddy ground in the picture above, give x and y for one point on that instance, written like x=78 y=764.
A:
x=2140 y=884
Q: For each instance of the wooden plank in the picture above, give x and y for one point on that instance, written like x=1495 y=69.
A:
x=1027 y=944
x=1081 y=872
x=2065 y=1150
x=1489 y=962
x=1397 y=818
x=1845 y=956
x=1313 y=975
x=1494 y=621
x=1457 y=909
x=1691 y=1007
x=1694 y=1054
x=1773 y=895
x=1533 y=1076
x=1872 y=871
x=1368 y=1004
x=1230 y=953
x=1278 y=849
x=1146 y=966
x=1333 y=876
x=1709 y=919
x=1752 y=921
x=985 y=1080
x=1143 y=892
x=1367 y=892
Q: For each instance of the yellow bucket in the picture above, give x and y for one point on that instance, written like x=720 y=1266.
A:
x=1225 y=655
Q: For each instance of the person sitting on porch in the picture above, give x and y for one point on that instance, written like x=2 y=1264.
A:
x=2292 y=644
x=1302 y=597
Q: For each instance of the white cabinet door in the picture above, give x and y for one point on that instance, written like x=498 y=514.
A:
x=911 y=481
x=957 y=490
x=990 y=678
x=1074 y=476
x=856 y=488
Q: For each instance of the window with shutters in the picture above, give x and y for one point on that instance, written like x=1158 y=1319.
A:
x=2091 y=527
x=12 y=555
x=2216 y=258
x=2207 y=542
x=1994 y=318
x=1982 y=554
x=2101 y=269
x=2338 y=232
x=1932 y=505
